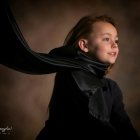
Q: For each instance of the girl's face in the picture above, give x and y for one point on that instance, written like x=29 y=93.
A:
x=102 y=43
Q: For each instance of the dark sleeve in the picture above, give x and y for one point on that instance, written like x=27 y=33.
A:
x=119 y=117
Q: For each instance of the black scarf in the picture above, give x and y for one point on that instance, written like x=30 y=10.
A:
x=94 y=66
x=16 y=54
x=70 y=52
x=93 y=86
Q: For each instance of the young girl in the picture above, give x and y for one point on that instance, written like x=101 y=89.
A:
x=85 y=104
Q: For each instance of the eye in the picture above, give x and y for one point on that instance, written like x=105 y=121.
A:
x=106 y=39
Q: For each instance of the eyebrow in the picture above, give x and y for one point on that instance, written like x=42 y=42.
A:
x=108 y=34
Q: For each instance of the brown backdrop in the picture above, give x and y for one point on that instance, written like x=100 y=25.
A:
x=45 y=23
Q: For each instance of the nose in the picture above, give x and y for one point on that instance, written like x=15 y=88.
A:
x=114 y=44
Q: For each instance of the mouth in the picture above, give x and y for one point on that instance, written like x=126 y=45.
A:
x=112 y=54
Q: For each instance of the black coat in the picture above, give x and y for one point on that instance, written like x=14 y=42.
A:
x=70 y=117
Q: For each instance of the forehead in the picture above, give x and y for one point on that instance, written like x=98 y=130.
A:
x=102 y=27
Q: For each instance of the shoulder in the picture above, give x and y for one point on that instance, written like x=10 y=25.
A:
x=111 y=83
x=114 y=87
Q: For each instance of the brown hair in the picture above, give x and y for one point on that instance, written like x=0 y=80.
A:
x=84 y=27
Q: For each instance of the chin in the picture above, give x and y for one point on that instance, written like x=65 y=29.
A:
x=110 y=62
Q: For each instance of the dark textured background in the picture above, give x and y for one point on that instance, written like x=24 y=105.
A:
x=45 y=23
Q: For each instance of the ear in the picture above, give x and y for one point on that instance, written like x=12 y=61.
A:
x=83 y=45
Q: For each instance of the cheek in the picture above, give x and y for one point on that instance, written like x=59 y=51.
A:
x=98 y=53
x=97 y=49
x=118 y=50
x=101 y=51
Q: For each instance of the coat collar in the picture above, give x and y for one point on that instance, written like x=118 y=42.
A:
x=92 y=87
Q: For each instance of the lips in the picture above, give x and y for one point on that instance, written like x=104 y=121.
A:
x=112 y=53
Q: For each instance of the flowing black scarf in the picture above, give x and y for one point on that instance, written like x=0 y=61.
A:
x=16 y=54
x=70 y=52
